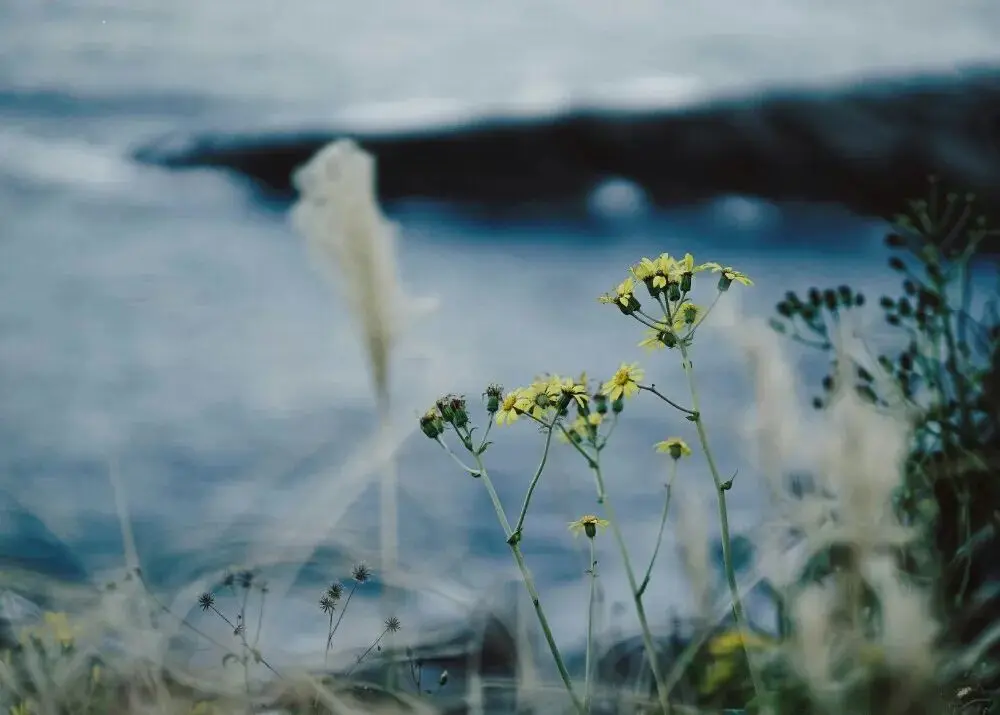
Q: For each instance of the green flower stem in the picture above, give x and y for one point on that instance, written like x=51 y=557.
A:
x=652 y=389
x=659 y=535
x=535 y=478
x=720 y=492
x=647 y=636
x=529 y=584
x=347 y=602
x=590 y=627
x=451 y=454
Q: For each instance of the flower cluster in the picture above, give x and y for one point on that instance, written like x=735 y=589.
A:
x=669 y=282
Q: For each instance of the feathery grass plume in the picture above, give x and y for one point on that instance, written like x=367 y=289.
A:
x=692 y=539
x=339 y=215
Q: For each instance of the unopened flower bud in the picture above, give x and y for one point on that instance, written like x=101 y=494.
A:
x=674 y=292
x=667 y=338
x=724 y=282
x=493 y=394
x=686 y=281
x=618 y=405
x=600 y=401
x=629 y=306
x=431 y=424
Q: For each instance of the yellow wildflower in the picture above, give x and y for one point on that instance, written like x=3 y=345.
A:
x=624 y=383
x=624 y=297
x=675 y=446
x=588 y=524
x=560 y=387
x=511 y=407
x=729 y=275
x=687 y=315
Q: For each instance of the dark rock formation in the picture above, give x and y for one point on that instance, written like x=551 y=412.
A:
x=868 y=145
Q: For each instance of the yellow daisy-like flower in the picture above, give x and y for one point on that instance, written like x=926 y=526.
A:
x=675 y=446
x=729 y=275
x=537 y=402
x=511 y=407
x=624 y=296
x=662 y=336
x=686 y=316
x=652 y=272
x=560 y=387
x=624 y=383
x=588 y=524
x=687 y=265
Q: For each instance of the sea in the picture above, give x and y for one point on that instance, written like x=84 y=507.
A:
x=177 y=373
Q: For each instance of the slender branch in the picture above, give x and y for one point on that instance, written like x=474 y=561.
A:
x=529 y=584
x=347 y=601
x=647 y=637
x=451 y=454
x=588 y=667
x=536 y=477
x=659 y=534
x=652 y=389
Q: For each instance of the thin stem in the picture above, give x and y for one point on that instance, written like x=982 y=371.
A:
x=652 y=389
x=659 y=534
x=611 y=431
x=535 y=478
x=704 y=315
x=720 y=492
x=647 y=636
x=347 y=601
x=260 y=617
x=529 y=584
x=329 y=637
x=365 y=654
x=588 y=668
x=451 y=454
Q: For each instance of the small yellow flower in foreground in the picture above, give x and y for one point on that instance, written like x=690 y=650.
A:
x=511 y=407
x=624 y=382
x=675 y=446
x=588 y=524
x=730 y=641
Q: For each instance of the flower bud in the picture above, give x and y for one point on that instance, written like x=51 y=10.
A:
x=668 y=338
x=630 y=305
x=600 y=401
x=493 y=394
x=431 y=424
x=724 y=282
x=590 y=529
x=673 y=292
x=618 y=405
x=686 y=281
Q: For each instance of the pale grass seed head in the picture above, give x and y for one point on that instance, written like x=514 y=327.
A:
x=855 y=452
x=693 y=546
x=339 y=215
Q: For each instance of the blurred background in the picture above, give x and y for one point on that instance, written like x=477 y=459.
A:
x=166 y=328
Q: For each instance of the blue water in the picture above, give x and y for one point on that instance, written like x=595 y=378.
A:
x=167 y=327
